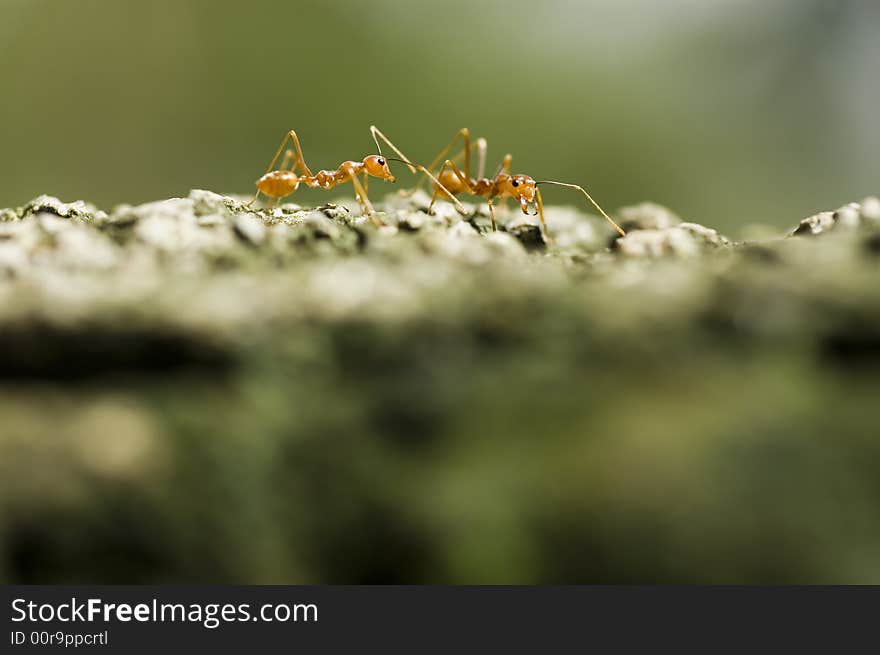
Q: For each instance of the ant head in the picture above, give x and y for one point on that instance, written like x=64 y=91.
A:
x=377 y=166
x=521 y=187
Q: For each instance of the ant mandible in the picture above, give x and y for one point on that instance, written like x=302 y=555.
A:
x=283 y=181
x=502 y=185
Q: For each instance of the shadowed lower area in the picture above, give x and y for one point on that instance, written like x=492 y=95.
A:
x=196 y=391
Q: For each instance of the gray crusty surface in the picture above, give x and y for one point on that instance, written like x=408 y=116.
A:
x=191 y=390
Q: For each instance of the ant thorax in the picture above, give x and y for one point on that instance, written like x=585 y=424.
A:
x=324 y=179
x=484 y=187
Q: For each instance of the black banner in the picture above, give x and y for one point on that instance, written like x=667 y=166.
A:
x=221 y=619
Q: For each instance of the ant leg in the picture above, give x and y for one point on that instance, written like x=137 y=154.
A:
x=492 y=215
x=411 y=192
x=288 y=157
x=540 y=203
x=463 y=134
x=366 y=207
x=446 y=165
x=481 y=145
x=299 y=156
x=504 y=166
x=271 y=165
x=438 y=186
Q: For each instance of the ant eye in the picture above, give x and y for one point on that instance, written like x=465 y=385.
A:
x=381 y=162
x=515 y=183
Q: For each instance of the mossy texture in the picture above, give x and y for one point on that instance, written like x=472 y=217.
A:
x=194 y=391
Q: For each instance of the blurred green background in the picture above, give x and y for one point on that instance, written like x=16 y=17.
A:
x=730 y=111
x=328 y=402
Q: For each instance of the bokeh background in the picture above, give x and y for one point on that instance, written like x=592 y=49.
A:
x=730 y=111
x=191 y=394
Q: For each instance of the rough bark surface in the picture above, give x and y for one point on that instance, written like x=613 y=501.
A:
x=194 y=391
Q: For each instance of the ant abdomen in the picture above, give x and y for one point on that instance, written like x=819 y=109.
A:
x=277 y=184
x=451 y=181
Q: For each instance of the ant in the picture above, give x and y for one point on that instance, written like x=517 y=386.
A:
x=283 y=181
x=503 y=185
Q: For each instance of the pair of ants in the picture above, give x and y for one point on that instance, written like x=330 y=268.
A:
x=448 y=181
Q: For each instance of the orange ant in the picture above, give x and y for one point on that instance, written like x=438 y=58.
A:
x=283 y=181
x=503 y=185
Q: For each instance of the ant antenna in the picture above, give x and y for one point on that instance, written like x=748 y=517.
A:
x=376 y=134
x=376 y=141
x=402 y=161
x=595 y=204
